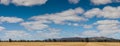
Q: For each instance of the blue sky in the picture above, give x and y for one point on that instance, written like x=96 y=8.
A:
x=43 y=19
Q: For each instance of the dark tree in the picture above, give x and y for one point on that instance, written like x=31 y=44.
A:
x=49 y=40
x=105 y=40
x=0 y=40
x=87 y=39
x=54 y=40
x=10 y=40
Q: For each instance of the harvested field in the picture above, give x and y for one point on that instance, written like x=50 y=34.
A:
x=59 y=44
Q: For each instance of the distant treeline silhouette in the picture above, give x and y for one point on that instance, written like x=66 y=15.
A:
x=73 y=39
x=77 y=39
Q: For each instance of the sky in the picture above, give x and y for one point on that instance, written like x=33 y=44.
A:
x=44 y=19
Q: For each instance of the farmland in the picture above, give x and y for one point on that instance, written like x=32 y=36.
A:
x=59 y=44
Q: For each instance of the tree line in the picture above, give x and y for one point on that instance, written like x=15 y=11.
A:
x=80 y=40
x=65 y=40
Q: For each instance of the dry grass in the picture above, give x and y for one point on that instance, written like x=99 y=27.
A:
x=59 y=44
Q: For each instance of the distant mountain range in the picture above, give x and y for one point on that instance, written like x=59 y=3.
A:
x=70 y=39
x=79 y=39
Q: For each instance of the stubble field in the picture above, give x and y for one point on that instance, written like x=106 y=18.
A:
x=59 y=44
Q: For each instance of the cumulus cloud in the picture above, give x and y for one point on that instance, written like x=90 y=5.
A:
x=5 y=2
x=10 y=19
x=35 y=25
x=106 y=22
x=98 y=2
x=25 y=35
x=24 y=2
x=102 y=2
x=76 y=24
x=73 y=24
x=108 y=25
x=106 y=28
x=90 y=33
x=74 y=1
x=60 y=18
x=16 y=34
x=106 y=12
x=87 y=26
x=42 y=21
x=49 y=33
x=93 y=12
x=116 y=0
x=2 y=28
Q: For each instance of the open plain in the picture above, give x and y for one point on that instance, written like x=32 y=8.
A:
x=59 y=44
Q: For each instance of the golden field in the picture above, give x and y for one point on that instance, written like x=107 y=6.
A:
x=59 y=44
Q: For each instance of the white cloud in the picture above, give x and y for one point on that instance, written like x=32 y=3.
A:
x=16 y=34
x=106 y=28
x=49 y=33
x=93 y=12
x=98 y=2
x=111 y=12
x=116 y=0
x=25 y=35
x=116 y=36
x=102 y=2
x=73 y=24
x=76 y=24
x=2 y=28
x=60 y=18
x=108 y=25
x=106 y=12
x=35 y=25
x=87 y=26
x=41 y=22
x=10 y=19
x=90 y=33
x=5 y=2
x=24 y=2
x=74 y=1
x=106 y=22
